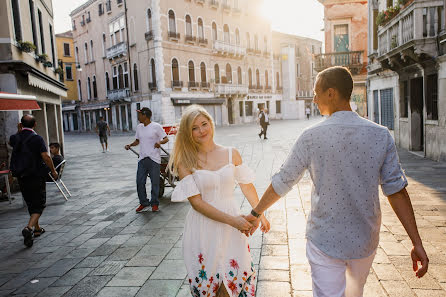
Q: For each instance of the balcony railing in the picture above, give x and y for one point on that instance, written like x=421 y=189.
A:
x=200 y=1
x=268 y=89
x=205 y=85
x=193 y=85
x=190 y=38
x=148 y=35
x=228 y=49
x=118 y=94
x=230 y=89
x=202 y=41
x=174 y=35
x=351 y=60
x=259 y=88
x=117 y=50
x=152 y=86
x=213 y=3
x=419 y=22
x=177 y=84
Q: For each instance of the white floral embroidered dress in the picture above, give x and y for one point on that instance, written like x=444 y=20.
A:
x=216 y=253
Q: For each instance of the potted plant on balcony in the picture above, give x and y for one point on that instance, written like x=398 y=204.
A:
x=47 y=64
x=59 y=70
x=26 y=46
x=41 y=58
x=385 y=16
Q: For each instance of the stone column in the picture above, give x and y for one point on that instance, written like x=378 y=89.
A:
x=114 y=121
x=157 y=44
x=42 y=123
x=127 y=126
x=120 y=116
x=84 y=125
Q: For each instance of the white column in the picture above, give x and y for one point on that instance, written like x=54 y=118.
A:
x=120 y=117
x=106 y=116
x=159 y=59
x=84 y=126
x=126 y=117
x=66 y=121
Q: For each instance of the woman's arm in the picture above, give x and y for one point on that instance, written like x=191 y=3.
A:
x=213 y=213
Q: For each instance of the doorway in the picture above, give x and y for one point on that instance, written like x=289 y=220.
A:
x=416 y=114
x=230 y=115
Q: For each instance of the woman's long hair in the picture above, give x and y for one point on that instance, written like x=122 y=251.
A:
x=185 y=149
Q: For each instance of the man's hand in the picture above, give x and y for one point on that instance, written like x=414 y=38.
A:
x=157 y=145
x=418 y=254
x=254 y=222
x=127 y=147
x=55 y=175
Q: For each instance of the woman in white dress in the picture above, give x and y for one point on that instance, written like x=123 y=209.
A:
x=215 y=248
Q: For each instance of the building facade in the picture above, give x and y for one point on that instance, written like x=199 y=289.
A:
x=169 y=54
x=345 y=27
x=27 y=66
x=407 y=73
x=67 y=69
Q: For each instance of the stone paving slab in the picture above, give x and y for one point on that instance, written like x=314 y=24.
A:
x=96 y=245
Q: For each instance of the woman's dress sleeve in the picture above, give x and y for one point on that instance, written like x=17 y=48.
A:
x=184 y=189
x=244 y=174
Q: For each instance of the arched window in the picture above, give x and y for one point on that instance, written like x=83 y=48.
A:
x=191 y=71
x=214 y=31
x=258 y=78
x=76 y=52
x=152 y=66
x=248 y=41
x=266 y=78
x=200 y=29
x=250 y=78
x=277 y=80
x=120 y=77
x=104 y=45
x=95 y=88
x=228 y=74
x=86 y=52
x=149 y=20
x=79 y=88
x=175 y=70
x=91 y=50
x=89 y=88
x=135 y=77
x=226 y=34
x=172 y=25
x=188 y=26
x=217 y=74
x=237 y=37
x=203 y=72
x=239 y=76
x=256 y=42
x=107 y=81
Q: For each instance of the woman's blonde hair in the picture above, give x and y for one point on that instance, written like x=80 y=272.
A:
x=185 y=149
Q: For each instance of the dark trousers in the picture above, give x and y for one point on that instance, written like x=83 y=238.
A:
x=146 y=167
x=33 y=190
x=263 y=130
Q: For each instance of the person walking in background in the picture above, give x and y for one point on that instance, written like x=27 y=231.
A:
x=264 y=122
x=216 y=254
x=348 y=158
x=28 y=160
x=103 y=129
x=308 y=112
x=149 y=136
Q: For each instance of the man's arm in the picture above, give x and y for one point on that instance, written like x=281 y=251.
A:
x=49 y=162
x=163 y=141
x=402 y=207
x=134 y=143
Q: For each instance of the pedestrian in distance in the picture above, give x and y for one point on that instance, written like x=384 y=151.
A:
x=308 y=112
x=102 y=129
x=348 y=158
x=29 y=163
x=264 y=122
x=149 y=136
x=215 y=249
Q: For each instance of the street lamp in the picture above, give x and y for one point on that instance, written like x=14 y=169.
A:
x=78 y=67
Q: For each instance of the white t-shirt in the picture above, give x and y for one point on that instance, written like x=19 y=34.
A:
x=307 y=111
x=148 y=136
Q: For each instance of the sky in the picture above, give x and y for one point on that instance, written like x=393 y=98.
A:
x=299 y=17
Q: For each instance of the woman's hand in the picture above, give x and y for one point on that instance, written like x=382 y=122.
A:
x=265 y=225
x=241 y=224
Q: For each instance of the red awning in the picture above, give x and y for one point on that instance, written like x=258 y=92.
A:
x=18 y=104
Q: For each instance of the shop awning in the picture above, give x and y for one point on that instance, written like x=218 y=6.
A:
x=18 y=104
x=45 y=85
x=203 y=101
x=69 y=108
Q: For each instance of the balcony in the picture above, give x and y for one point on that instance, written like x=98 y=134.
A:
x=351 y=60
x=177 y=84
x=230 y=89
x=152 y=86
x=148 y=35
x=267 y=89
x=118 y=94
x=117 y=50
x=200 y=1
x=279 y=89
x=193 y=85
x=226 y=7
x=213 y=4
x=205 y=85
x=224 y=48
x=259 y=88
x=202 y=41
x=174 y=36
x=411 y=35
x=190 y=39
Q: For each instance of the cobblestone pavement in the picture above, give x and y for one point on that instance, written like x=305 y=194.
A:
x=96 y=245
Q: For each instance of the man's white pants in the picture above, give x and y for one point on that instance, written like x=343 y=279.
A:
x=337 y=278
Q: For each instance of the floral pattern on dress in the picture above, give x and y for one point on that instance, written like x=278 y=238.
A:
x=238 y=283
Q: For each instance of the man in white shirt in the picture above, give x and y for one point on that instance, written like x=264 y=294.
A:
x=150 y=136
x=308 y=112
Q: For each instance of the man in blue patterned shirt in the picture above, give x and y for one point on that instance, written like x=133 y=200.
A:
x=347 y=157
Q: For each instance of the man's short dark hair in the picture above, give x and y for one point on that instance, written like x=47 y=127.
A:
x=145 y=111
x=338 y=78
x=28 y=121
x=55 y=144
